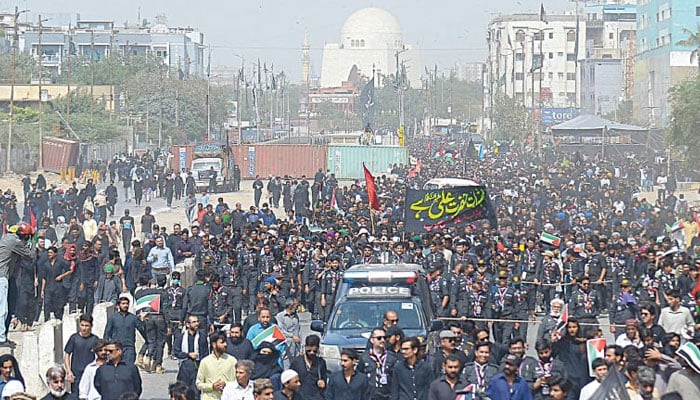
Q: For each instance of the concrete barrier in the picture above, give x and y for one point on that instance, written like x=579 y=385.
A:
x=70 y=326
x=30 y=365
x=100 y=316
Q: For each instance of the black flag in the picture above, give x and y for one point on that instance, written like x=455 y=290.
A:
x=612 y=387
x=367 y=103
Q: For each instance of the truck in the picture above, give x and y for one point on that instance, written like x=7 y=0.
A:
x=206 y=156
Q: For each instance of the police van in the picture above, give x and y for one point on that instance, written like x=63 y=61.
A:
x=364 y=295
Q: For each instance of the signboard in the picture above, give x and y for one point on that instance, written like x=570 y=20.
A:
x=428 y=210
x=183 y=158
x=402 y=136
x=208 y=148
x=379 y=291
x=251 y=161
x=554 y=116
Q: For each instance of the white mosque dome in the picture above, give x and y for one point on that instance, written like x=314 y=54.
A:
x=371 y=28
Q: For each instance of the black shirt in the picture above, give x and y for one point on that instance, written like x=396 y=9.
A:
x=242 y=350
x=111 y=381
x=80 y=349
x=123 y=327
x=339 y=389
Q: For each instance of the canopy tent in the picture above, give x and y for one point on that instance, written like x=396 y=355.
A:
x=587 y=124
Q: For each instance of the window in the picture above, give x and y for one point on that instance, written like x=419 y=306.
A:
x=539 y=35
x=550 y=75
x=697 y=11
x=518 y=76
x=520 y=35
x=519 y=56
x=570 y=57
x=571 y=36
x=362 y=42
x=560 y=75
x=570 y=76
x=560 y=54
x=551 y=35
x=551 y=56
x=611 y=36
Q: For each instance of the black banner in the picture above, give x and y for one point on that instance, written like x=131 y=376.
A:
x=427 y=210
x=612 y=387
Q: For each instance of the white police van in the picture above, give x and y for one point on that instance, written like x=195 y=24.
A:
x=365 y=294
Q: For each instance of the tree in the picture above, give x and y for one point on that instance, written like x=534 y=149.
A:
x=685 y=121
x=692 y=40
x=509 y=118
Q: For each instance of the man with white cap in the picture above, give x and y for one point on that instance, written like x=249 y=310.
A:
x=686 y=382
x=290 y=386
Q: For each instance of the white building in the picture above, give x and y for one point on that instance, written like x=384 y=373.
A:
x=369 y=40
x=516 y=42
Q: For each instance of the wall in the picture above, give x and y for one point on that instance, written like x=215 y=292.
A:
x=346 y=161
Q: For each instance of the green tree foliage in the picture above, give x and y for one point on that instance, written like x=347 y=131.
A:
x=692 y=40
x=509 y=118
x=25 y=68
x=685 y=121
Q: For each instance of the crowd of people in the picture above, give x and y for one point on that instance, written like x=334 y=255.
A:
x=623 y=254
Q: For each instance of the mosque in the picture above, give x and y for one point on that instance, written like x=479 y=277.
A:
x=369 y=42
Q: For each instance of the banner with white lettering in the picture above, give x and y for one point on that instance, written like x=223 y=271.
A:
x=427 y=210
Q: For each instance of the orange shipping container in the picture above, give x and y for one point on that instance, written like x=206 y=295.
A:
x=264 y=159
x=59 y=153
x=279 y=160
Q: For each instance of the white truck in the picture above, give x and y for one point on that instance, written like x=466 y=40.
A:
x=206 y=156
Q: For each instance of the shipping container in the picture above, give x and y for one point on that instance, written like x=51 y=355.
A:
x=264 y=159
x=346 y=161
x=59 y=153
x=279 y=160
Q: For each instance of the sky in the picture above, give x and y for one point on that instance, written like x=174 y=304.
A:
x=447 y=31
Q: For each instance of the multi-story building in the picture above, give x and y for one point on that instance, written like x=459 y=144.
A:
x=181 y=49
x=661 y=62
x=607 y=70
x=470 y=72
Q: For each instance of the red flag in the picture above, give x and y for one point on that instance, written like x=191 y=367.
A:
x=563 y=320
x=371 y=189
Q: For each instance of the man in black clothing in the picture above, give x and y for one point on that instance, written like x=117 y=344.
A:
x=347 y=383
x=412 y=376
x=311 y=369
x=377 y=363
x=117 y=376
x=196 y=299
x=446 y=386
x=79 y=352
x=190 y=348
x=238 y=346
x=111 y=196
x=123 y=325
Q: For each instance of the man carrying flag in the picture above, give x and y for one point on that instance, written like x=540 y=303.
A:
x=149 y=303
x=267 y=331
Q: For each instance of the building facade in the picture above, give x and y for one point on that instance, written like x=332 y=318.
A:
x=520 y=43
x=371 y=43
x=182 y=50
x=607 y=71
x=661 y=62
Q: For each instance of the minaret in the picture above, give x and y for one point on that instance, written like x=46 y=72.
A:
x=305 y=62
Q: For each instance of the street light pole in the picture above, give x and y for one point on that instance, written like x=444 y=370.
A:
x=41 y=112
x=15 y=43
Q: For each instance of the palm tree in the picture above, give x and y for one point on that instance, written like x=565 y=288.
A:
x=692 y=40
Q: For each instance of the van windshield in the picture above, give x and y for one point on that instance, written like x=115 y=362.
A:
x=201 y=166
x=367 y=315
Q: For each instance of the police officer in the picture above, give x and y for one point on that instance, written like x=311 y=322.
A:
x=436 y=258
x=310 y=278
x=329 y=283
x=529 y=271
x=549 y=278
x=477 y=302
x=196 y=300
x=289 y=274
x=220 y=307
x=502 y=307
x=250 y=269
x=520 y=310
x=439 y=291
x=585 y=303
x=234 y=284
x=624 y=307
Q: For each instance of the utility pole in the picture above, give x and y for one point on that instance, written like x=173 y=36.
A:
x=15 y=43
x=70 y=42
x=92 y=70
x=40 y=53
x=208 y=96
x=400 y=86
